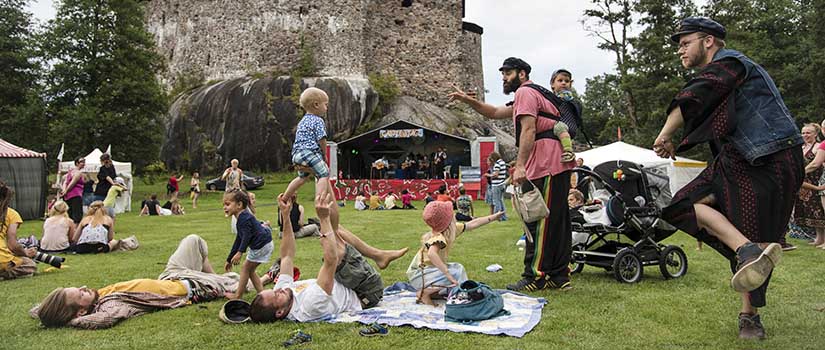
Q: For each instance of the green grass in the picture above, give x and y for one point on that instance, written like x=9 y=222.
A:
x=695 y=312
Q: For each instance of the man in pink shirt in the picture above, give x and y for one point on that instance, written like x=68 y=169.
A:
x=539 y=161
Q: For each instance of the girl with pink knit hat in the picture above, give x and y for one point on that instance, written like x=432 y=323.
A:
x=429 y=272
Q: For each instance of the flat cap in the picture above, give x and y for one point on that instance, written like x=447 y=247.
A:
x=515 y=63
x=699 y=24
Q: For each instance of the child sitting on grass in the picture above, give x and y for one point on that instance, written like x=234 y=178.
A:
x=429 y=272
x=250 y=234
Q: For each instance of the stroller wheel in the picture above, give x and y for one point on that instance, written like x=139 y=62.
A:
x=627 y=266
x=576 y=261
x=673 y=262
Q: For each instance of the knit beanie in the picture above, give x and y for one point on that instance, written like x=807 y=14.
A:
x=438 y=215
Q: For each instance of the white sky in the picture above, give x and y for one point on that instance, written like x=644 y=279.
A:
x=547 y=34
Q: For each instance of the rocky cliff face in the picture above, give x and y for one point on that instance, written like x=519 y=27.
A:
x=254 y=121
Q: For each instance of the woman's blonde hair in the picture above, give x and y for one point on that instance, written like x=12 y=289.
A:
x=97 y=212
x=56 y=310
x=59 y=208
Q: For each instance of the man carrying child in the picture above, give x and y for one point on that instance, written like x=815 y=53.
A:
x=539 y=161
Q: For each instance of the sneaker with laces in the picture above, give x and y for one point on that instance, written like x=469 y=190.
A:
x=529 y=285
x=562 y=286
x=750 y=327
x=374 y=329
x=754 y=265
x=298 y=337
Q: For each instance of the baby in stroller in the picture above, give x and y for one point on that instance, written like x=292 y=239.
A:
x=619 y=228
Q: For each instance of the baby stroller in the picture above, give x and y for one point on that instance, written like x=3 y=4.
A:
x=622 y=236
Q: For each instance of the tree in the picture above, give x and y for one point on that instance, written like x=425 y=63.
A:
x=613 y=19
x=22 y=121
x=102 y=88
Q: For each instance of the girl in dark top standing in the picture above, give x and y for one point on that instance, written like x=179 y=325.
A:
x=105 y=177
x=250 y=234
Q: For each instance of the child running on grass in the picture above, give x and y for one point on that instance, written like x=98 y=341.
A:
x=429 y=272
x=251 y=234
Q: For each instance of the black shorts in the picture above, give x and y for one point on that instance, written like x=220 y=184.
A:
x=91 y=248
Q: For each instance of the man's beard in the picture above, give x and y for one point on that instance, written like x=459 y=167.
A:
x=512 y=85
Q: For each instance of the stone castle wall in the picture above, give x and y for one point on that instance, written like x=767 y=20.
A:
x=422 y=44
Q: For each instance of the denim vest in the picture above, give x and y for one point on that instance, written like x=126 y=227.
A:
x=763 y=123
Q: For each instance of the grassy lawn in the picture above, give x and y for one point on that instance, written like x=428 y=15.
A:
x=698 y=311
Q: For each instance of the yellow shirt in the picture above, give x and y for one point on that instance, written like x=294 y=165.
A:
x=375 y=201
x=162 y=287
x=6 y=256
x=444 y=243
x=111 y=196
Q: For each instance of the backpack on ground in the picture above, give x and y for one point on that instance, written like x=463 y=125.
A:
x=473 y=301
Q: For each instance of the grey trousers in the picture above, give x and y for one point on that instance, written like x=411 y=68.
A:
x=186 y=263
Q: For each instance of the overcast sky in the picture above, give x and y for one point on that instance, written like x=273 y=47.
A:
x=547 y=34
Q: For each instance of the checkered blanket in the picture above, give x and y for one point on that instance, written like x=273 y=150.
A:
x=398 y=308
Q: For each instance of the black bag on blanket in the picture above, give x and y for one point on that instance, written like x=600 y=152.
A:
x=473 y=301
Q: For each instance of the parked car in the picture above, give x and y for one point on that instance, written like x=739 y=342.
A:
x=249 y=182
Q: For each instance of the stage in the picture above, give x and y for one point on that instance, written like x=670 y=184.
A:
x=348 y=188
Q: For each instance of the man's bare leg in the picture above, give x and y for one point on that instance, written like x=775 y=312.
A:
x=382 y=258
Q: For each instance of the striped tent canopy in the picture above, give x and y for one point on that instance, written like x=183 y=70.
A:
x=25 y=171
x=8 y=150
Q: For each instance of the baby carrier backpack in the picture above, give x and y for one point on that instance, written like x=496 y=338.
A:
x=570 y=113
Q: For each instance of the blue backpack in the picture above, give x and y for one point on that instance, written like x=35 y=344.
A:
x=473 y=301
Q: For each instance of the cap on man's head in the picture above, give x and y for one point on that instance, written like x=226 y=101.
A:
x=515 y=63
x=699 y=24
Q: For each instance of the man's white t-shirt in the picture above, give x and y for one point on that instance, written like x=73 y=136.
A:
x=311 y=303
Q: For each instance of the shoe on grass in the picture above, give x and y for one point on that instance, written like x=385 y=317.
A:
x=298 y=337
x=374 y=329
x=787 y=247
x=754 y=265
x=529 y=285
x=750 y=327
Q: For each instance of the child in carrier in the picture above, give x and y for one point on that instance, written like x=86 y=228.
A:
x=561 y=83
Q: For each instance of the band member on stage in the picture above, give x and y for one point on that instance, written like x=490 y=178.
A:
x=379 y=167
x=439 y=161
x=409 y=166
x=424 y=166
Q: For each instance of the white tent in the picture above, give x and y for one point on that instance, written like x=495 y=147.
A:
x=123 y=169
x=681 y=171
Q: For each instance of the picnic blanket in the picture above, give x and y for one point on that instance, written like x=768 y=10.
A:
x=398 y=308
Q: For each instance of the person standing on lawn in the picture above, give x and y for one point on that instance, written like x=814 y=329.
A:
x=741 y=203
x=539 y=163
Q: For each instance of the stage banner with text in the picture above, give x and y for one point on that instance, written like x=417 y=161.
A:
x=348 y=189
x=400 y=133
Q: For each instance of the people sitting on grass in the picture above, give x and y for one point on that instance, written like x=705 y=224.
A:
x=96 y=232
x=430 y=272
x=172 y=206
x=188 y=278
x=375 y=201
x=345 y=282
x=406 y=199
x=150 y=206
x=57 y=229
x=297 y=218
x=360 y=201
x=15 y=261
x=389 y=201
x=464 y=205
x=430 y=197
x=252 y=235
